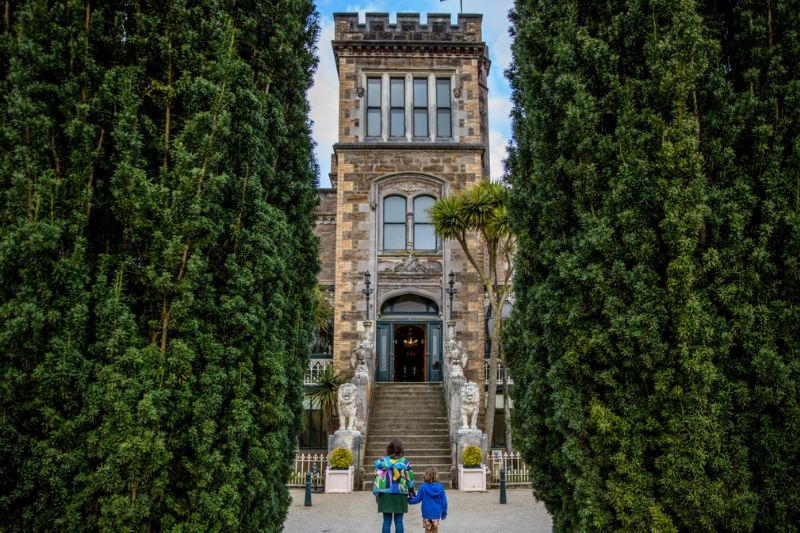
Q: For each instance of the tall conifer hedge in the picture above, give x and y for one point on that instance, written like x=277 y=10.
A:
x=157 y=262
x=655 y=343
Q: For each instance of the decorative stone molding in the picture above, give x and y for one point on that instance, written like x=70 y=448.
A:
x=408 y=189
x=361 y=356
x=410 y=265
x=455 y=355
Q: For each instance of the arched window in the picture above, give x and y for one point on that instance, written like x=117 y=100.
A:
x=394 y=223
x=424 y=237
x=409 y=304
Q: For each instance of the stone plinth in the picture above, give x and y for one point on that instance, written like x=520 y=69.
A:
x=465 y=440
x=349 y=440
x=453 y=392
x=363 y=386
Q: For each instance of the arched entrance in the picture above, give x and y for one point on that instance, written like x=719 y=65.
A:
x=409 y=353
x=409 y=343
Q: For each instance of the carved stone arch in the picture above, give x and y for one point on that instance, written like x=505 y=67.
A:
x=408 y=184
x=416 y=291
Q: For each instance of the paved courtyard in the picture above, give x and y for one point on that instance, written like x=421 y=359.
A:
x=469 y=512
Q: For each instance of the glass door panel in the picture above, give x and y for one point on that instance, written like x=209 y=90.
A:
x=435 y=351
x=384 y=352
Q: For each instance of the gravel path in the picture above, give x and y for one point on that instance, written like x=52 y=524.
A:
x=469 y=512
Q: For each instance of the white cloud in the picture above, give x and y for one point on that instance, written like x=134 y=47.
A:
x=497 y=153
x=324 y=99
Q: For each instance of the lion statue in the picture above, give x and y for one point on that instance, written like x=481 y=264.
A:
x=348 y=398
x=470 y=398
x=457 y=357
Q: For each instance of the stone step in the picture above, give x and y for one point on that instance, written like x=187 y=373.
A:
x=400 y=384
x=435 y=448
x=420 y=408
x=426 y=460
x=408 y=440
x=419 y=472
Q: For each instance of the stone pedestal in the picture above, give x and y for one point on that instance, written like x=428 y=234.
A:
x=460 y=441
x=349 y=440
x=363 y=386
x=464 y=440
x=454 y=402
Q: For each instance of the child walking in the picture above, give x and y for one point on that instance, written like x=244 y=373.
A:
x=434 y=501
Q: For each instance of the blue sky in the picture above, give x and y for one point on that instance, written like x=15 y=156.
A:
x=324 y=94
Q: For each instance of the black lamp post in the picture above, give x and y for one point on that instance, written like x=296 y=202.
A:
x=451 y=291
x=367 y=291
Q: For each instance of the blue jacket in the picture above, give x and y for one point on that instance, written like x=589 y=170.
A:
x=434 y=501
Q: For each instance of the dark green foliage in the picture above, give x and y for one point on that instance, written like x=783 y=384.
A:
x=157 y=263
x=656 y=194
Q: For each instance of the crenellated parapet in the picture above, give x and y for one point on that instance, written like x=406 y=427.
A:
x=408 y=28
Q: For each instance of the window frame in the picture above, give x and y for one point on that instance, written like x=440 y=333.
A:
x=393 y=107
x=448 y=108
x=427 y=223
x=384 y=223
x=425 y=108
x=369 y=107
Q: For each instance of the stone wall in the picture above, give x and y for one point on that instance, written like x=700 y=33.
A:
x=326 y=231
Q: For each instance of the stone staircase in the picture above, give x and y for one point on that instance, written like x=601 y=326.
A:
x=416 y=414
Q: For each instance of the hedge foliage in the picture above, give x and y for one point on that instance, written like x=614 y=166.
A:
x=656 y=194
x=157 y=262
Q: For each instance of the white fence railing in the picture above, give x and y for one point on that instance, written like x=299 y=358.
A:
x=517 y=472
x=500 y=371
x=305 y=462
x=315 y=367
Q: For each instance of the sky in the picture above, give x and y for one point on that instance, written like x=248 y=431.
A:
x=324 y=95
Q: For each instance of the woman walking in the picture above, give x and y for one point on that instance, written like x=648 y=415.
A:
x=394 y=484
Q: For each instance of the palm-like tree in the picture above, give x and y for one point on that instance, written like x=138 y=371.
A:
x=325 y=394
x=482 y=210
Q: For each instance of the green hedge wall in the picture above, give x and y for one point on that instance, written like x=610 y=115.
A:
x=157 y=262
x=656 y=193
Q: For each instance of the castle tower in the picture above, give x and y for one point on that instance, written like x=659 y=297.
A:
x=413 y=127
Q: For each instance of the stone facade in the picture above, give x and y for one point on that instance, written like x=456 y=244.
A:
x=365 y=170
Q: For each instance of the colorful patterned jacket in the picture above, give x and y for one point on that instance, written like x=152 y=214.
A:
x=393 y=475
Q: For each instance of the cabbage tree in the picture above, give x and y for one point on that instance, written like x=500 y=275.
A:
x=481 y=211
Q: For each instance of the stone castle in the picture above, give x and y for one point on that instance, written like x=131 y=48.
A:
x=413 y=127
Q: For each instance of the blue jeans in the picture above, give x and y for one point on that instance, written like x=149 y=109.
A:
x=398 y=522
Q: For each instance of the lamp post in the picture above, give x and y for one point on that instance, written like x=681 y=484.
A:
x=451 y=291
x=367 y=291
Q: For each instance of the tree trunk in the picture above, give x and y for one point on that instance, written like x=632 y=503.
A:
x=506 y=409
x=491 y=392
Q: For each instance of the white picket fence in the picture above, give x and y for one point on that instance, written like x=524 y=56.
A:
x=304 y=462
x=517 y=472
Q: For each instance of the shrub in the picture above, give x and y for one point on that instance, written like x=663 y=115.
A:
x=472 y=456
x=341 y=459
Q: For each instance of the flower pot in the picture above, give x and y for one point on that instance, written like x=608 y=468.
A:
x=472 y=479
x=338 y=481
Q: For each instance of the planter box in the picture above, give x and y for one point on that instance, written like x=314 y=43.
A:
x=338 y=481
x=472 y=479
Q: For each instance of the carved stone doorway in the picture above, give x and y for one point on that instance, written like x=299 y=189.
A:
x=409 y=350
